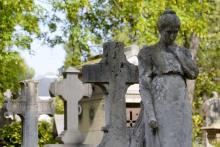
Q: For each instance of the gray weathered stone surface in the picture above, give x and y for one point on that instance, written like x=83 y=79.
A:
x=29 y=107
x=115 y=73
x=211 y=112
x=7 y=95
x=163 y=69
x=68 y=145
x=137 y=133
x=71 y=90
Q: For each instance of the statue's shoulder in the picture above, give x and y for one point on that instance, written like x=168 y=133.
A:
x=146 y=52
x=184 y=51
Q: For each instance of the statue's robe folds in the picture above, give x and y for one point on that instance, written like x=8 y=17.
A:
x=162 y=76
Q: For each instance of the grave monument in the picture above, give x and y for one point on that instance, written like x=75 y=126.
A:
x=28 y=106
x=3 y=120
x=163 y=70
x=71 y=90
x=114 y=74
x=211 y=111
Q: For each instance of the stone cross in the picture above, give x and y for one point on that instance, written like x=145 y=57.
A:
x=71 y=90
x=117 y=73
x=29 y=107
x=131 y=121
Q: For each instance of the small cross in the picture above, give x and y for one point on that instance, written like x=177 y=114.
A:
x=130 y=121
x=71 y=90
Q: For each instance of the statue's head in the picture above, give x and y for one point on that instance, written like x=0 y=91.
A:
x=168 y=26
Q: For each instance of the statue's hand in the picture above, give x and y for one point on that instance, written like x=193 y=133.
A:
x=153 y=123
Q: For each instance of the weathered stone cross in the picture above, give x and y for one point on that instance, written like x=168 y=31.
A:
x=29 y=107
x=71 y=90
x=115 y=71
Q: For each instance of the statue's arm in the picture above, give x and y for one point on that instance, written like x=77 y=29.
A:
x=144 y=66
x=190 y=69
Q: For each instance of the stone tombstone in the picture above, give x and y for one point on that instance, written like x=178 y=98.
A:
x=114 y=73
x=211 y=112
x=71 y=90
x=92 y=118
x=29 y=107
x=3 y=120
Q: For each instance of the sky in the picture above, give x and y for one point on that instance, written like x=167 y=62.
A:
x=45 y=60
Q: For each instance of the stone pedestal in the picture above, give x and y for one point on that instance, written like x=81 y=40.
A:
x=67 y=145
x=211 y=111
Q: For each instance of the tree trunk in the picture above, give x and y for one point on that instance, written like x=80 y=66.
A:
x=194 y=47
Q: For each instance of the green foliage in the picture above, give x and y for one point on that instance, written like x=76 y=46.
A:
x=197 y=124
x=59 y=105
x=206 y=84
x=129 y=21
x=12 y=134
x=209 y=63
x=45 y=132
x=30 y=72
x=216 y=144
x=18 y=26
x=209 y=57
x=13 y=70
x=20 y=14
x=195 y=144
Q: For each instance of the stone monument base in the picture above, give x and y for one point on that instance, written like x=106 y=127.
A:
x=69 y=145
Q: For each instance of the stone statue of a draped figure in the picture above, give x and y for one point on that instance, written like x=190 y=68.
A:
x=163 y=70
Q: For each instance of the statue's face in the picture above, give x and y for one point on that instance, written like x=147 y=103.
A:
x=169 y=34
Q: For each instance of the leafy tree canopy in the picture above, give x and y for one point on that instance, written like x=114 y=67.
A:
x=92 y=22
x=18 y=26
x=18 y=22
x=130 y=21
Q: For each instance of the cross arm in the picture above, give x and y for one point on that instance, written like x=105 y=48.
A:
x=15 y=106
x=132 y=73
x=46 y=107
x=98 y=73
